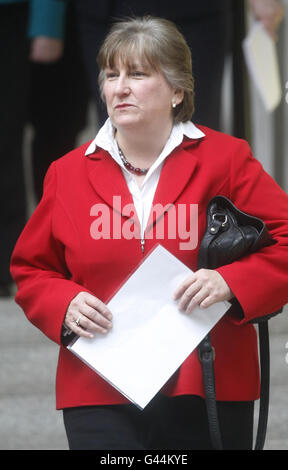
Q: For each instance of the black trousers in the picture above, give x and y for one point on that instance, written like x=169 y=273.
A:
x=165 y=424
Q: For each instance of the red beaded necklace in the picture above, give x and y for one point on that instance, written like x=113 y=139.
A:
x=131 y=168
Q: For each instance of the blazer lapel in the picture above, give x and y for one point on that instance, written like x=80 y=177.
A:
x=107 y=179
x=175 y=175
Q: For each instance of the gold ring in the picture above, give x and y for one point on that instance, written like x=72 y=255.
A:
x=78 y=321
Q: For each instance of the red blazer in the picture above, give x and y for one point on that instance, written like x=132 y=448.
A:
x=56 y=257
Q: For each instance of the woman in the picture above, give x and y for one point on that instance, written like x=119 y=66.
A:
x=76 y=249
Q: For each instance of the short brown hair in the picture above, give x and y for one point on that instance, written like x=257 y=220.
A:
x=160 y=43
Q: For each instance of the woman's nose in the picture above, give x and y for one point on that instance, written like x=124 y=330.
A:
x=123 y=85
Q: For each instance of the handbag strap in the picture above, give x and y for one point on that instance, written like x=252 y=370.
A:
x=264 y=348
x=207 y=355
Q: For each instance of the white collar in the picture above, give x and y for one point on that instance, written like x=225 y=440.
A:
x=105 y=137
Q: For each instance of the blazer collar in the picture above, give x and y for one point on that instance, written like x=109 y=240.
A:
x=105 y=138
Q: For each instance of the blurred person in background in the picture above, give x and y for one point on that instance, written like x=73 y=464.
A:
x=58 y=100
x=28 y=29
x=39 y=83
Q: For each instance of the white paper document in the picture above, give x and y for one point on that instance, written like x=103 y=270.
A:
x=150 y=337
x=262 y=62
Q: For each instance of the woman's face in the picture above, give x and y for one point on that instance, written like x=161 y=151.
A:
x=138 y=96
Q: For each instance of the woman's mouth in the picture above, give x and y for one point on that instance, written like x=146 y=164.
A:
x=123 y=105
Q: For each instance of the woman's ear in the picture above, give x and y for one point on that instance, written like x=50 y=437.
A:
x=177 y=97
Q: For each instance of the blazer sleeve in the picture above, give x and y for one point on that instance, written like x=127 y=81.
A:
x=39 y=270
x=259 y=281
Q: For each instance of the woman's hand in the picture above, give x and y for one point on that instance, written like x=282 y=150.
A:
x=87 y=314
x=202 y=288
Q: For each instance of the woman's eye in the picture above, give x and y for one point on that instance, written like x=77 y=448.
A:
x=138 y=73
x=111 y=75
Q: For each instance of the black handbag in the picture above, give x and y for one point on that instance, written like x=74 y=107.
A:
x=231 y=234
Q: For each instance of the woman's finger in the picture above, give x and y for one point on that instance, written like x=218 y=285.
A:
x=98 y=305
x=92 y=326
x=188 y=294
x=197 y=300
x=87 y=314
x=94 y=317
x=184 y=285
x=75 y=326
